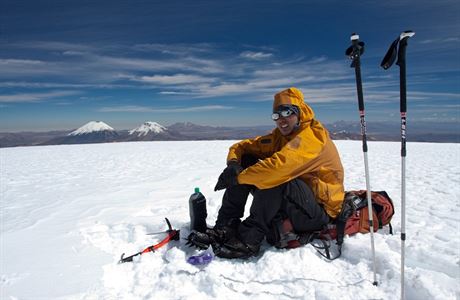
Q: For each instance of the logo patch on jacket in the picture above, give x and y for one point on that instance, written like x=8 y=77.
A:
x=266 y=141
x=294 y=143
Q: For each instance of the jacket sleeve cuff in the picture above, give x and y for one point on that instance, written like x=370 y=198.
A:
x=232 y=161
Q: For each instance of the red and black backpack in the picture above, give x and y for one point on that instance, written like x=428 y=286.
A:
x=382 y=209
x=354 y=218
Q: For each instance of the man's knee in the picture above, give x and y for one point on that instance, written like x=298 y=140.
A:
x=305 y=213
x=299 y=189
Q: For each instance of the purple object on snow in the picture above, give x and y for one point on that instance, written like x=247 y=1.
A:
x=200 y=259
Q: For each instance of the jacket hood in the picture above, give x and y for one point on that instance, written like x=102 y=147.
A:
x=293 y=96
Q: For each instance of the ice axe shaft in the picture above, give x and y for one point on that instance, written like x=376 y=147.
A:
x=173 y=235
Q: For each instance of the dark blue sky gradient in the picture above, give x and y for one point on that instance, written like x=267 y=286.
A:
x=64 y=63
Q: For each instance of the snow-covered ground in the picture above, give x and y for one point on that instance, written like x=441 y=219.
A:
x=68 y=212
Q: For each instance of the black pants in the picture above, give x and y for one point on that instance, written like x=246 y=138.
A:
x=293 y=200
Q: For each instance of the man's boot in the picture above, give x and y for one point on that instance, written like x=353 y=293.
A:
x=216 y=235
x=234 y=248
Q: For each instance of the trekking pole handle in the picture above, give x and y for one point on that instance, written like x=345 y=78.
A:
x=402 y=64
x=354 y=52
x=406 y=34
x=354 y=37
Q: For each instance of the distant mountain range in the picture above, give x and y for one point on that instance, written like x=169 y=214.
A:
x=100 y=132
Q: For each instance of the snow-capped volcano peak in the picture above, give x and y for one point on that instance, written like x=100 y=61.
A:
x=93 y=126
x=148 y=127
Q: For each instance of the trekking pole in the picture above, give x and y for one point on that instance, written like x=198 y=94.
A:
x=354 y=52
x=386 y=64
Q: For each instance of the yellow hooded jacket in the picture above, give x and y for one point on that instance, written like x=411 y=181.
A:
x=308 y=153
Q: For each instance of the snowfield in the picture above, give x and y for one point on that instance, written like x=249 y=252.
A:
x=68 y=212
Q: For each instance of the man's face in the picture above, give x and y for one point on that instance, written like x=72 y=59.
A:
x=287 y=124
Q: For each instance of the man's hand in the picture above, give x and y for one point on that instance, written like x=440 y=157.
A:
x=229 y=176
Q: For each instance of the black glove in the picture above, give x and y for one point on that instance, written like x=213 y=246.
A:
x=229 y=176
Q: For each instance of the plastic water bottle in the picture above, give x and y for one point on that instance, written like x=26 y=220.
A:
x=198 y=213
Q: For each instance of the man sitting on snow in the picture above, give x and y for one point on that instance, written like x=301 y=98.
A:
x=296 y=178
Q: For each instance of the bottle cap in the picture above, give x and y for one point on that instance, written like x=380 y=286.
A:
x=197 y=190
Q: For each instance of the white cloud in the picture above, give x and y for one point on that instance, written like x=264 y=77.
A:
x=191 y=64
x=200 y=108
x=320 y=59
x=198 y=73
x=54 y=85
x=175 y=49
x=174 y=79
x=432 y=95
x=255 y=55
x=143 y=109
x=441 y=40
x=452 y=39
x=126 y=108
x=428 y=41
x=74 y=53
x=50 y=45
x=35 y=97
x=174 y=93
x=19 y=62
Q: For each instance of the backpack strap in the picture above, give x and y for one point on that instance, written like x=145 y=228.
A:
x=324 y=249
x=323 y=242
x=350 y=204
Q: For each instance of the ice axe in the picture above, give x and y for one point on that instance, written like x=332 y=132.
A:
x=172 y=235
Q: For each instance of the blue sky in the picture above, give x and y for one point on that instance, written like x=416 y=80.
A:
x=64 y=63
